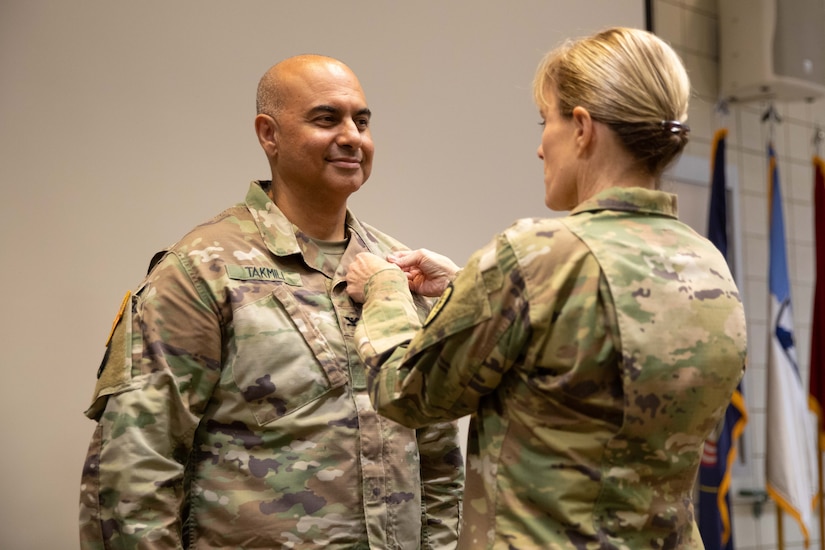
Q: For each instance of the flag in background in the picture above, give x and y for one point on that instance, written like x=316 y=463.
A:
x=790 y=450
x=720 y=450
x=816 y=385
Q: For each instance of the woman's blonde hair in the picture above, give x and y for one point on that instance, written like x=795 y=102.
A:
x=626 y=78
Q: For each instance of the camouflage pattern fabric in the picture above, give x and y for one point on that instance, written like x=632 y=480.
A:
x=595 y=352
x=232 y=407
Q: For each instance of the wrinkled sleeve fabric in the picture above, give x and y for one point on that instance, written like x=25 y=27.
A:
x=442 y=485
x=159 y=371
x=439 y=371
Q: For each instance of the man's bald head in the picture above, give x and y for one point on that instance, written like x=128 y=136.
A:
x=272 y=86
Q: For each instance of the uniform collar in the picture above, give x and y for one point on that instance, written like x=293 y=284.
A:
x=631 y=199
x=282 y=237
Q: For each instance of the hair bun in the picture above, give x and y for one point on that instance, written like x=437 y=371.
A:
x=675 y=127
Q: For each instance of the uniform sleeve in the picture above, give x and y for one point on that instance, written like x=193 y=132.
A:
x=160 y=368
x=442 y=485
x=420 y=375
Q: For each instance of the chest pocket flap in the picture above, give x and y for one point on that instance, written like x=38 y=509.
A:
x=282 y=359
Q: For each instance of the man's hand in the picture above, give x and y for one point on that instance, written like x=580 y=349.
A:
x=359 y=272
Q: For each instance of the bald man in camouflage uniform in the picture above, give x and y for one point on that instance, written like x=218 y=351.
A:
x=231 y=404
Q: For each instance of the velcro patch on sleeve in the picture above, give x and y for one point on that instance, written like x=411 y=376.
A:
x=439 y=305
x=115 y=372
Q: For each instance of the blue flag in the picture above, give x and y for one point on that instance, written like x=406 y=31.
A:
x=720 y=450
x=790 y=452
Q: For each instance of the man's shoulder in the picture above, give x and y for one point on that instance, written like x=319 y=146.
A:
x=228 y=225
x=220 y=233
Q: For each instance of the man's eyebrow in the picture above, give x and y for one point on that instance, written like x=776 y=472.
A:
x=336 y=111
x=323 y=109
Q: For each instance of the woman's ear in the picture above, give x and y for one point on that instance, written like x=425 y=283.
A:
x=584 y=127
x=267 y=131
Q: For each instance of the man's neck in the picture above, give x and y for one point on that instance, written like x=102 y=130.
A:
x=320 y=220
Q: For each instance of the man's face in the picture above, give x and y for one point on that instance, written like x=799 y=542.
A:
x=324 y=145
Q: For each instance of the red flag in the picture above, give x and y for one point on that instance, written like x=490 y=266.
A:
x=816 y=381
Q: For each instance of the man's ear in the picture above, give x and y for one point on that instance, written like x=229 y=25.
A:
x=267 y=131
x=584 y=127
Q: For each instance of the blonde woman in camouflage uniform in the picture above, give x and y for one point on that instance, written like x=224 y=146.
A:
x=595 y=352
x=231 y=405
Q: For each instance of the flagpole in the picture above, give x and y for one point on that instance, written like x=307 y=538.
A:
x=772 y=117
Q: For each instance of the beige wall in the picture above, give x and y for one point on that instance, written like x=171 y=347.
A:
x=123 y=124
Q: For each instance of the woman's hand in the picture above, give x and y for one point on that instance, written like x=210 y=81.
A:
x=428 y=273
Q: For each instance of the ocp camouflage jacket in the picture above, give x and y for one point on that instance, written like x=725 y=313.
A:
x=232 y=407
x=596 y=352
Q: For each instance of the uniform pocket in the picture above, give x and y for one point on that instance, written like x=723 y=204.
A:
x=282 y=361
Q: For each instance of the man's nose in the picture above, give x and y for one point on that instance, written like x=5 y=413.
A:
x=350 y=134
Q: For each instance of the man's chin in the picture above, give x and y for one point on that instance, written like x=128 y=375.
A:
x=347 y=187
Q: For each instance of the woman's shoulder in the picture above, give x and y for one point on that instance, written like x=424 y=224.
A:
x=526 y=230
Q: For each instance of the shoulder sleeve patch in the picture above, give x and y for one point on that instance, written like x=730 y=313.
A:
x=439 y=305
x=118 y=317
x=115 y=372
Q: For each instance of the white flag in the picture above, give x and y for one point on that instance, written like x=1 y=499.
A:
x=791 y=445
